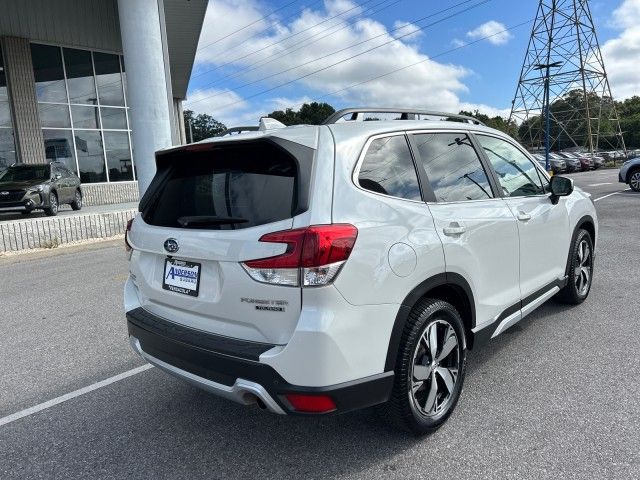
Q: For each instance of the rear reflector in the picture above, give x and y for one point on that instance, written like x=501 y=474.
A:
x=314 y=255
x=311 y=403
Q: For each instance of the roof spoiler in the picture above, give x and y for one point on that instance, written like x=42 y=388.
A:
x=404 y=114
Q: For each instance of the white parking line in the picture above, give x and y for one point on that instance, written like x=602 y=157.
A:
x=598 y=184
x=614 y=193
x=68 y=396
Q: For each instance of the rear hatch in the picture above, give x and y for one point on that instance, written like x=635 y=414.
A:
x=204 y=214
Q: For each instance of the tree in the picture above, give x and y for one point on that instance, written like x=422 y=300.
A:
x=202 y=126
x=629 y=112
x=497 y=122
x=313 y=113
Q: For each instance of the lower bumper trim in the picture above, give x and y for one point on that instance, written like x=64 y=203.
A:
x=242 y=391
x=243 y=380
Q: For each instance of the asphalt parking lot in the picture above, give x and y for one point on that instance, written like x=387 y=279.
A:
x=556 y=396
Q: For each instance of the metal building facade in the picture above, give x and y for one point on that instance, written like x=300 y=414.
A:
x=122 y=28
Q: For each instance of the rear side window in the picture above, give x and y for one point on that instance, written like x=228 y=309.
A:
x=453 y=167
x=388 y=168
x=228 y=187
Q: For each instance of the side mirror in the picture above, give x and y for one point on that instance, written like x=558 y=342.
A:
x=560 y=187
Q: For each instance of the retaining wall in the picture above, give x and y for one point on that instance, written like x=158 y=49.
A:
x=50 y=232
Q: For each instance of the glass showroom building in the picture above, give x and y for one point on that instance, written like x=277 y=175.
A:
x=96 y=84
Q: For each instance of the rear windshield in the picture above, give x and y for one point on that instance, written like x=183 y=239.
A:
x=229 y=187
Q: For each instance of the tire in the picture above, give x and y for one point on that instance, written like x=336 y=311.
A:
x=634 y=180
x=77 y=201
x=52 y=209
x=580 y=275
x=414 y=404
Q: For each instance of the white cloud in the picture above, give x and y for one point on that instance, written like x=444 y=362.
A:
x=225 y=105
x=626 y=15
x=265 y=50
x=282 y=103
x=486 y=109
x=495 y=31
x=407 y=30
x=621 y=54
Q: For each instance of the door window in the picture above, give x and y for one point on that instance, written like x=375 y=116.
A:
x=517 y=175
x=388 y=168
x=453 y=167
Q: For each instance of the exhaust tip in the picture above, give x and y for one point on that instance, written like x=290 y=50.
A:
x=251 y=398
x=260 y=403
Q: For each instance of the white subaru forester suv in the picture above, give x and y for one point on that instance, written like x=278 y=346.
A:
x=321 y=269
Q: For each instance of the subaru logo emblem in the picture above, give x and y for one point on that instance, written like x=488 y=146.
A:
x=171 y=245
x=4 y=193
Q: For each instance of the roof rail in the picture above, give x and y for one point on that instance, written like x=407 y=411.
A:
x=232 y=130
x=405 y=114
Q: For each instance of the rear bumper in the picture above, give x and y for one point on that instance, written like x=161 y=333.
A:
x=231 y=368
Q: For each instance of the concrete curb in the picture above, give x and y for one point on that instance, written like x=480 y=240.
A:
x=54 y=231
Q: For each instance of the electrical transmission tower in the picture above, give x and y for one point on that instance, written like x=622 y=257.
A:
x=563 y=97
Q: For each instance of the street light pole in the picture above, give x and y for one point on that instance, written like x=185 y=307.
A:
x=547 y=127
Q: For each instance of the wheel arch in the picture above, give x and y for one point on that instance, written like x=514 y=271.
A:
x=631 y=171
x=450 y=287
x=588 y=223
x=585 y=223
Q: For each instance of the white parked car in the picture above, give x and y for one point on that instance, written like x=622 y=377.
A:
x=322 y=269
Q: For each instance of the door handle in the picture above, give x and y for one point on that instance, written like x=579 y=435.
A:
x=454 y=229
x=524 y=217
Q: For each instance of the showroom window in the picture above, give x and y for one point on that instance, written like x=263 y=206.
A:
x=83 y=112
x=7 y=143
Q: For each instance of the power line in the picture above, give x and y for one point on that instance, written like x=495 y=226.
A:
x=247 y=25
x=285 y=38
x=438 y=55
x=272 y=57
x=348 y=47
x=346 y=59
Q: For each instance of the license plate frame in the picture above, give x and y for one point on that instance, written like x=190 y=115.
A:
x=183 y=285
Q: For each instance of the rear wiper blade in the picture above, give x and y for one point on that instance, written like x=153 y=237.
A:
x=200 y=220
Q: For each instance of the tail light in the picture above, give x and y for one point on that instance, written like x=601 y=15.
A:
x=127 y=245
x=314 y=256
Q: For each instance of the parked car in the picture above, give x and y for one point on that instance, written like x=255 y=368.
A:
x=321 y=269
x=630 y=174
x=25 y=188
x=584 y=161
x=596 y=160
x=558 y=164
x=573 y=164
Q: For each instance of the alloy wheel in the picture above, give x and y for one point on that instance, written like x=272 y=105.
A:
x=78 y=199
x=584 y=264
x=436 y=362
x=634 y=181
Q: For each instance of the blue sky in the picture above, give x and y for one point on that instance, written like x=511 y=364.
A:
x=250 y=60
